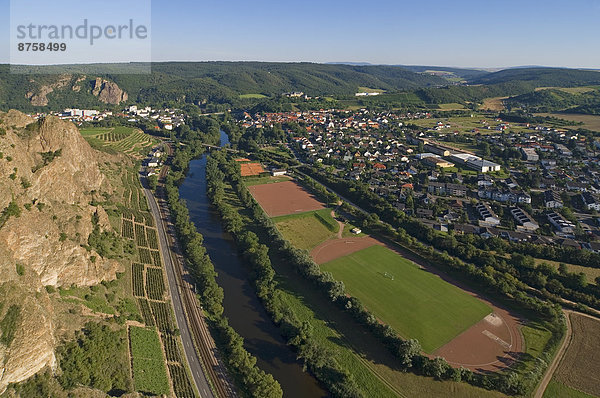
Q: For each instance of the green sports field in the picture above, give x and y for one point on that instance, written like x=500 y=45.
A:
x=416 y=303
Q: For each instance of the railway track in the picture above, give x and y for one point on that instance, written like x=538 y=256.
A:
x=203 y=341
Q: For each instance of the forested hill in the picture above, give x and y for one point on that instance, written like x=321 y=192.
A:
x=242 y=84
x=542 y=77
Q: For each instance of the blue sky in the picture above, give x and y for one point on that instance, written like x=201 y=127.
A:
x=429 y=32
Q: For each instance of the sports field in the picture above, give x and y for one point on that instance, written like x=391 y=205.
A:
x=416 y=303
x=283 y=198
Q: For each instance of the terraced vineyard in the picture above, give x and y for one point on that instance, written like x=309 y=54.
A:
x=128 y=140
x=148 y=285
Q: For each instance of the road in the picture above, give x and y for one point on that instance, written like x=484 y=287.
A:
x=557 y=358
x=193 y=359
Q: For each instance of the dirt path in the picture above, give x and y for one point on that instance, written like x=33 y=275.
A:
x=557 y=358
x=341 y=224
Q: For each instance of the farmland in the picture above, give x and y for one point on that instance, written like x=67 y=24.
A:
x=415 y=303
x=557 y=389
x=580 y=368
x=591 y=122
x=149 y=370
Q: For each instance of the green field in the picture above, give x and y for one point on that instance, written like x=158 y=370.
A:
x=149 y=371
x=249 y=181
x=416 y=303
x=591 y=122
x=556 y=389
x=307 y=230
x=252 y=96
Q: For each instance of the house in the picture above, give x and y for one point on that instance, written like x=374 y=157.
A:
x=561 y=224
x=424 y=213
x=487 y=215
x=524 y=221
x=552 y=200
x=462 y=229
x=356 y=230
x=447 y=189
x=529 y=154
x=590 y=201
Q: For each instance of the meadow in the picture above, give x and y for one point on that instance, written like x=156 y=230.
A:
x=307 y=230
x=416 y=303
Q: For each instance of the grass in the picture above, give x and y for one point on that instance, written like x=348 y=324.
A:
x=365 y=358
x=370 y=90
x=9 y=324
x=305 y=231
x=149 y=371
x=358 y=351
x=590 y=273
x=416 y=304
x=556 y=389
x=252 y=96
x=451 y=107
x=249 y=181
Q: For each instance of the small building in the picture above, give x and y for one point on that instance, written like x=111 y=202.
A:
x=487 y=215
x=552 y=200
x=356 y=230
x=278 y=172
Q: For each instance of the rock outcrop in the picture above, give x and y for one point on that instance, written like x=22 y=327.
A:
x=51 y=174
x=108 y=92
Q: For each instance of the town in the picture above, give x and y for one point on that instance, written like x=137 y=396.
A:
x=518 y=181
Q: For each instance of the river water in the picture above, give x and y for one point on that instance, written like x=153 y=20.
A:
x=242 y=307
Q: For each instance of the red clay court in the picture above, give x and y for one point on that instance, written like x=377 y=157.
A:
x=283 y=198
x=251 y=169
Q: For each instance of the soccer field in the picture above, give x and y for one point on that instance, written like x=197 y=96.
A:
x=416 y=303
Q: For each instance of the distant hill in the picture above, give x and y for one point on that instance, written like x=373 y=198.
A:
x=543 y=77
x=205 y=81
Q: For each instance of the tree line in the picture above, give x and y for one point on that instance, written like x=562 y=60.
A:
x=252 y=380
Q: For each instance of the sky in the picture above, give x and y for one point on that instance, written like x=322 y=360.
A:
x=462 y=33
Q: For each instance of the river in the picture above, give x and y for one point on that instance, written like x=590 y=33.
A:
x=242 y=307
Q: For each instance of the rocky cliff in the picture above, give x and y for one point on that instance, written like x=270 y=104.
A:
x=48 y=177
x=108 y=92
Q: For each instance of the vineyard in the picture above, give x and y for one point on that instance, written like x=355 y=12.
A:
x=181 y=383
x=145 y=255
x=146 y=312
x=155 y=285
x=162 y=315
x=127 y=230
x=123 y=139
x=149 y=287
x=156 y=257
x=138 y=279
x=140 y=235
x=152 y=238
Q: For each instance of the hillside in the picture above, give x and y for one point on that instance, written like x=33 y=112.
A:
x=201 y=81
x=542 y=77
x=49 y=177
